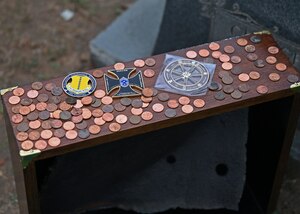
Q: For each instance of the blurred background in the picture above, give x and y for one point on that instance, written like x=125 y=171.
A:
x=38 y=42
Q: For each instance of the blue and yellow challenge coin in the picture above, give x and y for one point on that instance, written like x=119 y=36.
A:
x=79 y=84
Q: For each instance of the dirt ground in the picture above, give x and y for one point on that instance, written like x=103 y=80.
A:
x=37 y=44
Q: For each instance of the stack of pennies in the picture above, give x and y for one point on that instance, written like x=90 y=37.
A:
x=43 y=116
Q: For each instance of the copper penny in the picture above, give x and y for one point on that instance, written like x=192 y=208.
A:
x=64 y=106
x=203 y=52
x=84 y=133
x=86 y=100
x=136 y=111
x=150 y=62
x=56 y=124
x=14 y=100
x=44 y=115
x=77 y=119
x=216 y=54
x=119 y=107
x=17 y=118
x=221 y=74
x=76 y=111
x=22 y=127
x=46 y=124
x=254 y=75
x=173 y=104
x=252 y=57
x=99 y=93
x=86 y=113
x=97 y=113
x=60 y=133
x=145 y=105
x=94 y=129
x=71 y=134
x=229 y=49
x=18 y=92
x=135 y=119
x=78 y=104
x=147 y=92
x=41 y=106
x=281 y=67
x=114 y=127
x=27 y=145
x=187 y=109
x=96 y=104
x=262 y=89
x=273 y=50
x=191 y=54
x=139 y=63
x=244 y=87
x=292 y=78
x=119 y=66
x=22 y=136
x=242 y=42
x=82 y=125
x=108 y=117
x=235 y=59
x=259 y=63
x=214 y=46
x=98 y=121
x=68 y=125
x=271 y=60
x=227 y=80
x=146 y=99
x=56 y=114
x=108 y=108
x=184 y=100
x=32 y=94
x=236 y=94
x=157 y=107
x=214 y=86
x=37 y=85
x=26 y=101
x=155 y=91
x=16 y=109
x=137 y=103
x=106 y=100
x=224 y=58
x=54 y=141
x=51 y=107
x=54 y=99
x=149 y=73
x=250 y=48
x=57 y=91
x=274 y=77
x=46 y=134
x=65 y=115
x=228 y=89
x=147 y=115
x=71 y=100
x=49 y=86
x=199 y=103
x=227 y=66
x=40 y=144
x=34 y=135
x=121 y=118
x=98 y=73
x=32 y=107
x=244 y=77
x=170 y=113
x=219 y=95
x=126 y=101
x=163 y=96
x=35 y=124
x=32 y=116
x=24 y=110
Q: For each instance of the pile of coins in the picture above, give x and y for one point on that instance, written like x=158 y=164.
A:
x=43 y=115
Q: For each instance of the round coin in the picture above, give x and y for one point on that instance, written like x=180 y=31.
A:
x=274 y=77
x=51 y=107
x=221 y=74
x=86 y=113
x=235 y=59
x=94 y=129
x=135 y=119
x=227 y=80
x=244 y=77
x=273 y=50
x=54 y=141
x=119 y=66
x=119 y=107
x=71 y=134
x=252 y=57
x=292 y=78
x=108 y=117
x=114 y=127
x=71 y=100
x=259 y=63
x=121 y=118
x=228 y=89
x=125 y=101
x=191 y=54
x=244 y=87
x=84 y=133
x=250 y=48
x=262 y=89
x=106 y=100
x=65 y=115
x=242 y=42
x=77 y=119
x=99 y=121
x=158 y=107
x=271 y=60
x=35 y=124
x=97 y=113
x=27 y=145
x=54 y=99
x=24 y=110
x=18 y=92
x=60 y=133
x=107 y=108
x=86 y=100
x=57 y=91
x=229 y=49
x=97 y=73
x=32 y=94
x=281 y=67
x=139 y=63
x=236 y=70
x=203 y=52
x=49 y=86
x=147 y=92
x=99 y=93
x=14 y=100
x=22 y=136
x=40 y=144
x=219 y=95
x=96 y=104
x=236 y=94
x=16 y=109
x=227 y=66
x=23 y=127
x=184 y=100
x=216 y=54
x=32 y=116
x=173 y=104
x=146 y=99
x=163 y=96
x=17 y=118
x=68 y=125
x=187 y=109
x=147 y=115
x=44 y=115
x=46 y=134
x=214 y=46
x=82 y=125
x=213 y=86
x=34 y=135
x=56 y=124
x=37 y=85
x=170 y=113
x=254 y=75
x=149 y=73
x=42 y=98
x=150 y=62
x=199 y=103
x=224 y=58
x=137 y=103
